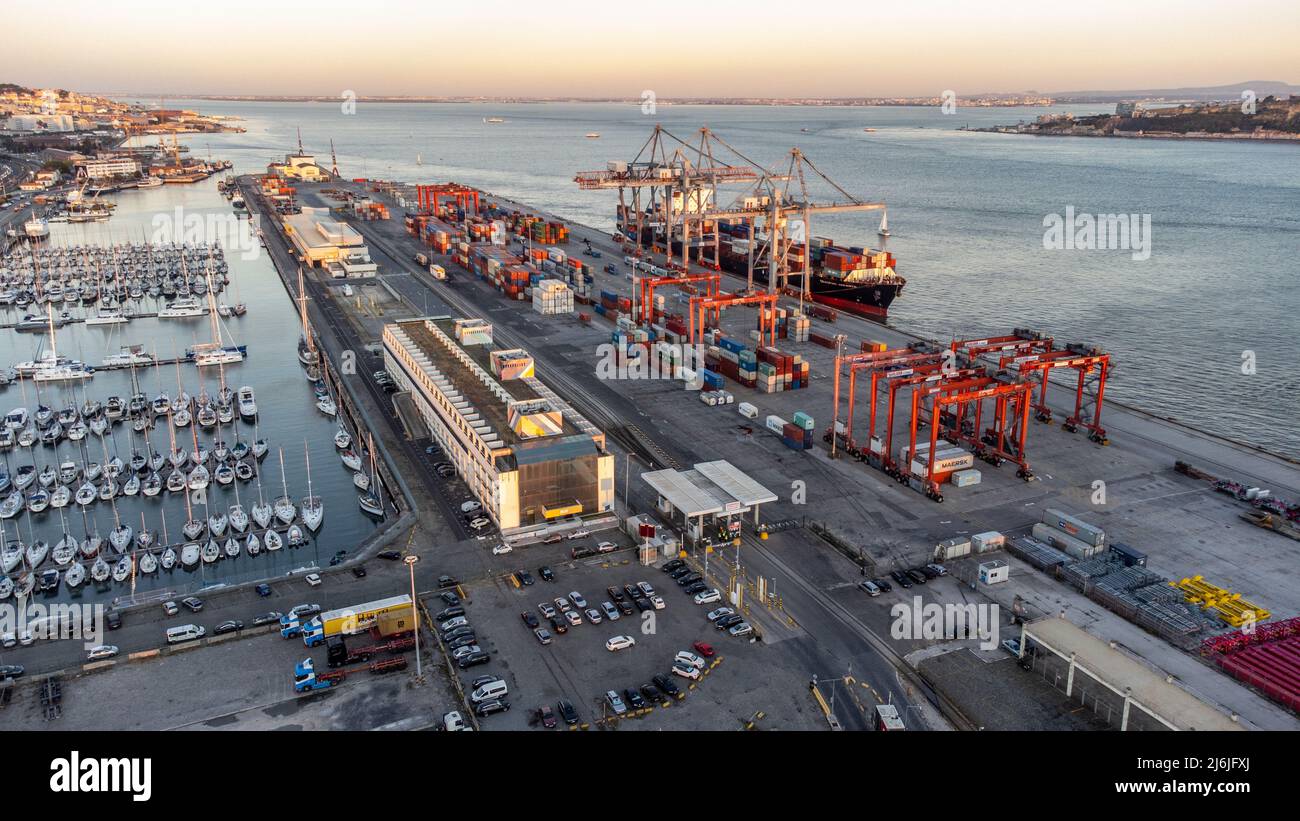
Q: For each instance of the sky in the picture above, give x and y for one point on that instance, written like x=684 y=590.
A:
x=676 y=48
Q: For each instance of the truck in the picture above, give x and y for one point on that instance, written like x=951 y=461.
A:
x=393 y=615
x=421 y=260
x=887 y=718
x=305 y=679
x=438 y=272
x=338 y=654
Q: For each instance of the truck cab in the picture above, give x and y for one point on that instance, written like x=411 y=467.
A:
x=290 y=627
x=313 y=632
x=336 y=651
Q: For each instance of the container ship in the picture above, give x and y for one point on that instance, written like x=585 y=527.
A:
x=859 y=280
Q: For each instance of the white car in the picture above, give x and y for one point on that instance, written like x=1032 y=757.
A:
x=498 y=550
x=469 y=506
x=479 y=522
x=313 y=579
x=452 y=624
x=580 y=533
x=658 y=602
x=685 y=670
x=453 y=723
x=619 y=643
x=103 y=651
x=606 y=547
x=689 y=658
x=708 y=596
x=714 y=615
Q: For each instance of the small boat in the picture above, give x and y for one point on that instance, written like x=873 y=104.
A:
x=11 y=506
x=93 y=471
x=122 y=569
x=211 y=552
x=6 y=587
x=884 y=225
x=260 y=448
x=100 y=571
x=120 y=538
x=193 y=528
x=247 y=403
x=132 y=486
x=224 y=474
x=273 y=541
x=36 y=553
x=108 y=490
x=153 y=485
x=65 y=551
x=24 y=477
x=39 y=500
x=243 y=471
x=238 y=518
x=145 y=538
x=168 y=559
x=189 y=554
x=261 y=513
x=342 y=439
x=181 y=418
x=231 y=548
x=90 y=545
x=199 y=478
x=217 y=524
x=361 y=480
x=175 y=481
x=326 y=406
x=148 y=563
x=68 y=472
x=351 y=460
x=75 y=575
x=48 y=581
x=371 y=505
x=296 y=536
x=253 y=544
x=60 y=497
x=48 y=475
x=181 y=309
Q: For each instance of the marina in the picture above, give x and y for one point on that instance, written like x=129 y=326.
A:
x=147 y=460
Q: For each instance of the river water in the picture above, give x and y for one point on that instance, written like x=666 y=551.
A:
x=966 y=209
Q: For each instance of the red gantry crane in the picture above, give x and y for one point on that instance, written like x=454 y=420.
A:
x=1088 y=363
x=712 y=287
x=713 y=305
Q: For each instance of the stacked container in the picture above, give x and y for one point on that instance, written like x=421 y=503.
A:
x=551 y=297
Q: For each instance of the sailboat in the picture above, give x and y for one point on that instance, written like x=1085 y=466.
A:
x=307 y=353
x=261 y=512
x=60 y=372
x=313 y=508
x=214 y=353
x=372 y=500
x=285 y=510
x=884 y=225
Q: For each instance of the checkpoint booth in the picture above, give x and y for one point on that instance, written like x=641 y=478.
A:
x=709 y=501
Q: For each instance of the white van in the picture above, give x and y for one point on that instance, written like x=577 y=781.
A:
x=185 y=632
x=488 y=692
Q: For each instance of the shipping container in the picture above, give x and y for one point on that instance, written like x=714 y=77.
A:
x=1064 y=542
x=1074 y=526
x=989 y=540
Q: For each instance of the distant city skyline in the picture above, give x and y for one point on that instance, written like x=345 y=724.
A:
x=673 y=48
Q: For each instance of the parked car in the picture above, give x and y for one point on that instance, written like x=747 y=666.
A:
x=229 y=626
x=573 y=617
x=593 y=615
x=567 y=711
x=501 y=549
x=546 y=573
x=615 y=594
x=616 y=643
x=453 y=623
x=1012 y=646
x=727 y=621
x=714 y=615
x=694 y=588
x=651 y=692
x=11 y=671
x=689 y=579
x=487 y=708
x=666 y=684
x=916 y=576
x=169 y=607
x=562 y=604
x=547 y=609
x=606 y=547
x=581 y=552
x=462 y=641
x=457 y=632
x=473 y=659
x=580 y=533
x=672 y=565
x=929 y=572
x=642 y=604
x=543 y=635
x=658 y=603
x=611 y=613
x=103 y=651
x=453 y=722
x=446 y=581
x=624 y=607
x=633 y=698
x=359 y=571
x=449 y=613
x=577 y=599
x=113 y=620
x=689 y=658
x=904 y=581
x=882 y=584
x=645 y=588
x=529 y=619
x=525 y=578
x=461 y=652
x=703 y=649
x=557 y=625
x=685 y=671
x=546 y=716
x=390 y=555
x=267 y=618
x=192 y=603
x=938 y=569
x=869 y=588
x=554 y=538
x=264 y=590
x=615 y=702
x=708 y=596
x=449 y=597
x=740 y=629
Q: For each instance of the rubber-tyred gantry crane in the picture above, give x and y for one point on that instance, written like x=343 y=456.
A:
x=712 y=287
x=1086 y=362
x=705 y=305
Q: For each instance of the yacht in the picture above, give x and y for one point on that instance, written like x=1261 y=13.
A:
x=247 y=403
x=108 y=316
x=181 y=309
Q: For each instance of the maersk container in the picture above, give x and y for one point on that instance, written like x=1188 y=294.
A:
x=989 y=540
x=1065 y=542
x=775 y=424
x=1074 y=526
x=950 y=549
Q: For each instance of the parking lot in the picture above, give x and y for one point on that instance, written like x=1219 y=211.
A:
x=740 y=679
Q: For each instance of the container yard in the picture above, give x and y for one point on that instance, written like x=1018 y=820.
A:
x=770 y=369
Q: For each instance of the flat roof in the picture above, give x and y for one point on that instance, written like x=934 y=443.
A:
x=1119 y=671
x=710 y=487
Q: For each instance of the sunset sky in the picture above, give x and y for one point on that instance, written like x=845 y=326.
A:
x=676 y=48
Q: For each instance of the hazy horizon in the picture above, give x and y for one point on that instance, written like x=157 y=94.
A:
x=676 y=49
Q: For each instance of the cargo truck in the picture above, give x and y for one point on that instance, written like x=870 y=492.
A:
x=393 y=615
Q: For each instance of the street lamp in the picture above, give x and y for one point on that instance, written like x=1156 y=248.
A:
x=415 y=612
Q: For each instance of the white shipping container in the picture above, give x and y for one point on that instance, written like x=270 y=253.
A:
x=1064 y=542
x=966 y=478
x=775 y=424
x=1074 y=527
x=989 y=540
x=950 y=549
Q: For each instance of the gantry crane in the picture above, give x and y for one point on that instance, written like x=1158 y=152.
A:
x=1086 y=362
x=706 y=305
x=712 y=287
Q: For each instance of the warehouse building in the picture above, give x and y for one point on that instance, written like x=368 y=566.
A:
x=322 y=241
x=526 y=455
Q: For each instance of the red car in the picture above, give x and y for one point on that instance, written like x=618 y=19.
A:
x=547 y=717
x=705 y=650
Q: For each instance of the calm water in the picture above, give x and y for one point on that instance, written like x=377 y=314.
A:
x=966 y=211
x=287 y=416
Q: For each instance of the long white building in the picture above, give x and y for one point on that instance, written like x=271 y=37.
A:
x=526 y=454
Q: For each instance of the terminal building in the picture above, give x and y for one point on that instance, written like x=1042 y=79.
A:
x=324 y=242
x=526 y=454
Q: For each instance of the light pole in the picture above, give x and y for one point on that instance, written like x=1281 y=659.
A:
x=415 y=612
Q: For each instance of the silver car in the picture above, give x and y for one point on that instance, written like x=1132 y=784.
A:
x=103 y=651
